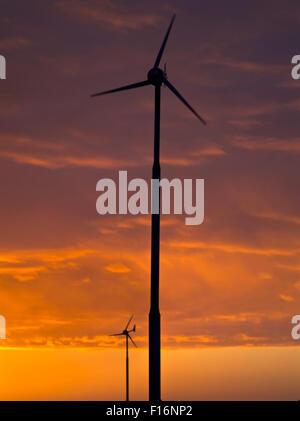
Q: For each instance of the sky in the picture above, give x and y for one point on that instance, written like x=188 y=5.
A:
x=69 y=277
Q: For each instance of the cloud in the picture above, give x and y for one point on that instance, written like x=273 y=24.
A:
x=14 y=42
x=245 y=124
x=194 y=157
x=185 y=162
x=286 y=297
x=209 y=151
x=232 y=248
x=267 y=144
x=50 y=154
x=240 y=65
x=289 y=266
x=117 y=268
x=278 y=217
x=69 y=277
x=56 y=162
x=212 y=54
x=22 y=274
x=79 y=294
x=107 y=13
x=53 y=155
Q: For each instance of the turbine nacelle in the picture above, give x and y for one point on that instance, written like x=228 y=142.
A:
x=156 y=76
x=126 y=332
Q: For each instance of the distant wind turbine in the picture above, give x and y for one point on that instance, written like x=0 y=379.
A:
x=126 y=333
x=156 y=77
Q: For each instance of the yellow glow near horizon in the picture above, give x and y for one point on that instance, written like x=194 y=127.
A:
x=199 y=374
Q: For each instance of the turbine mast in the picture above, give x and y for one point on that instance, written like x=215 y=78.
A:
x=155 y=77
x=154 y=315
x=127 y=370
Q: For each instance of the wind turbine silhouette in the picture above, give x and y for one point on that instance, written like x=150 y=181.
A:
x=126 y=333
x=156 y=77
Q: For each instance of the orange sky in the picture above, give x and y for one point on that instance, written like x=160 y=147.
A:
x=239 y=373
x=70 y=277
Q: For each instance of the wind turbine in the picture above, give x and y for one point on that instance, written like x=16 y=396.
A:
x=126 y=333
x=156 y=77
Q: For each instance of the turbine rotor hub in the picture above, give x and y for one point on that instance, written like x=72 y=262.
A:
x=155 y=76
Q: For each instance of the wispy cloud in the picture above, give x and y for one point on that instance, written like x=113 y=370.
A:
x=209 y=151
x=107 y=12
x=287 y=298
x=232 y=248
x=23 y=273
x=63 y=161
x=117 y=268
x=278 y=217
x=14 y=42
x=267 y=144
x=194 y=156
x=54 y=155
x=213 y=56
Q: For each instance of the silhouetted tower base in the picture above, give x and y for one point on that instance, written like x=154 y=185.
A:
x=127 y=370
x=154 y=315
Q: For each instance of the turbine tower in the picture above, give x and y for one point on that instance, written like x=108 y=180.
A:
x=126 y=333
x=156 y=77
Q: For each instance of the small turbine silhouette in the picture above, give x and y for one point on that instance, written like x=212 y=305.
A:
x=126 y=333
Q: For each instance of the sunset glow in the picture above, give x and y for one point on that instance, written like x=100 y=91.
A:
x=70 y=277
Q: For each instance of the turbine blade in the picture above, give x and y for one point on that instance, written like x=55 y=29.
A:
x=160 y=53
x=132 y=341
x=174 y=90
x=123 y=88
x=128 y=322
x=117 y=334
